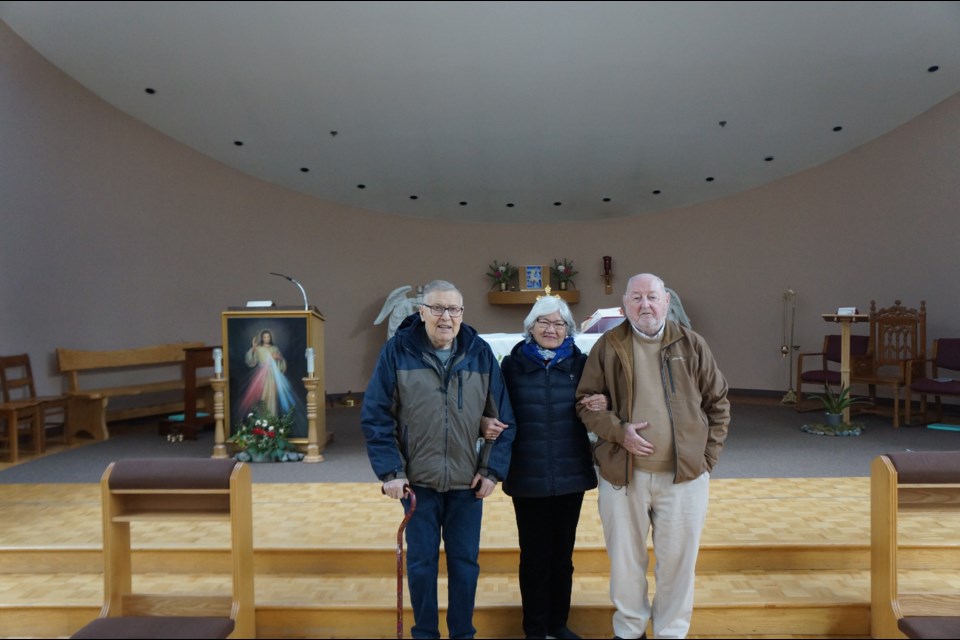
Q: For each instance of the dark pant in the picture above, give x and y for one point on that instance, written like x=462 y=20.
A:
x=548 y=531
x=455 y=517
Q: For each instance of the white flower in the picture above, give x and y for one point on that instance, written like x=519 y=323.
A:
x=561 y=268
x=271 y=428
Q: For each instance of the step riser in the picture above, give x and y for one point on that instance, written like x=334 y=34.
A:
x=378 y=561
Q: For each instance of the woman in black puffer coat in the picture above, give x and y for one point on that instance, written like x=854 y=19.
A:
x=551 y=465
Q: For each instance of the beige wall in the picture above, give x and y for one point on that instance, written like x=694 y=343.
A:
x=116 y=236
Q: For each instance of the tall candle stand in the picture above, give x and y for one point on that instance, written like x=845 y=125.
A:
x=219 y=439
x=311 y=384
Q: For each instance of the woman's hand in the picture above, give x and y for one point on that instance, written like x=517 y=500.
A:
x=491 y=428
x=596 y=402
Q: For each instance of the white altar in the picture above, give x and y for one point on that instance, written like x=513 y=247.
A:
x=503 y=343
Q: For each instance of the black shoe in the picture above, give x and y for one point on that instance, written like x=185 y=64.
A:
x=643 y=637
x=563 y=633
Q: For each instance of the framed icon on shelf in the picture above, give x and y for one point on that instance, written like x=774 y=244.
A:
x=534 y=277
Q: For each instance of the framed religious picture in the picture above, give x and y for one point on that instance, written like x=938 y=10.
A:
x=265 y=359
x=534 y=277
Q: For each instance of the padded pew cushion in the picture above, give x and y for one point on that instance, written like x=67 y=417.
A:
x=157 y=627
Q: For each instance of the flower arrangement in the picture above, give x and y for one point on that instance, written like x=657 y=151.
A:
x=501 y=272
x=264 y=437
x=563 y=270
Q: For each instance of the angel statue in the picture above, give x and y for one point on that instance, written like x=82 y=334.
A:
x=398 y=306
x=676 y=312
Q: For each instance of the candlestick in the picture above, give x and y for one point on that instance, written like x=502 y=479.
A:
x=607 y=265
x=309 y=354
x=218 y=362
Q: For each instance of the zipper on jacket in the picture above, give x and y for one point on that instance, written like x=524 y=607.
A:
x=665 y=360
x=460 y=390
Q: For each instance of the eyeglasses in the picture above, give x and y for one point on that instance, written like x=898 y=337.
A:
x=438 y=310
x=559 y=325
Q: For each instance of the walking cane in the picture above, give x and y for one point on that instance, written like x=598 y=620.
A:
x=403 y=525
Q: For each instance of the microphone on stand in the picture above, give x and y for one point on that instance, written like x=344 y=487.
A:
x=306 y=307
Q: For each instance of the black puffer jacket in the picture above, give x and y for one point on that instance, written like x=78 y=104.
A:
x=551 y=450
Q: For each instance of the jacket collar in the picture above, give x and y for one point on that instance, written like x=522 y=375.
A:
x=672 y=332
x=526 y=364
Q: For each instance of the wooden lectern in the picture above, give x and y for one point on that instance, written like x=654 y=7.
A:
x=845 y=321
x=283 y=335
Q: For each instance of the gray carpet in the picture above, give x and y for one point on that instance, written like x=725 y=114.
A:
x=765 y=442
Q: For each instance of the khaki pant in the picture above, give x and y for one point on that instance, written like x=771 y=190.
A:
x=676 y=512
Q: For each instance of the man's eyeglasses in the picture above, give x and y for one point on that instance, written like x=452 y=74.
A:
x=438 y=310
x=559 y=325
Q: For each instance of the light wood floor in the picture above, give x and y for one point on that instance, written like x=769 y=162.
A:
x=779 y=558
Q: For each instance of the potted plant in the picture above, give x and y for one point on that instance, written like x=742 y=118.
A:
x=563 y=271
x=834 y=404
x=500 y=273
x=264 y=437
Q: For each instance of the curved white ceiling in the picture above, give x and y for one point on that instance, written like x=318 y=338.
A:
x=509 y=111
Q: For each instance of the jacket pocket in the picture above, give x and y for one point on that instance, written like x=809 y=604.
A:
x=612 y=460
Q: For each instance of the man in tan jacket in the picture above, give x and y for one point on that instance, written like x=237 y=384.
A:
x=656 y=446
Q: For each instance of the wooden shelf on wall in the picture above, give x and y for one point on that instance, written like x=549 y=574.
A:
x=529 y=297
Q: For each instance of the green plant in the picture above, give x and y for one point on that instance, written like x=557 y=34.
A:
x=837 y=402
x=501 y=272
x=262 y=433
x=563 y=270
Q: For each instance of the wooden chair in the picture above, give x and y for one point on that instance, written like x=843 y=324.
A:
x=174 y=490
x=23 y=410
x=827 y=371
x=898 y=338
x=945 y=360
x=918 y=482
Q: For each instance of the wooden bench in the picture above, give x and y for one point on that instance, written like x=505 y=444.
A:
x=924 y=482
x=88 y=406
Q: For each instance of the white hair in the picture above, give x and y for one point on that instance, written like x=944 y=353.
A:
x=544 y=307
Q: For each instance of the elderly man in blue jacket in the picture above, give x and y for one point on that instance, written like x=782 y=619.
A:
x=434 y=381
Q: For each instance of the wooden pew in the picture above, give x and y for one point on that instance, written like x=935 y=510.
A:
x=174 y=491
x=926 y=482
x=89 y=409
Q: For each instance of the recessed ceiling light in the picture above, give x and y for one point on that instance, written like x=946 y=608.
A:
x=509 y=204
x=150 y=90
x=768 y=159
x=239 y=143
x=934 y=68
x=361 y=186
x=606 y=199
x=414 y=197
x=710 y=179
x=656 y=192
x=838 y=128
x=305 y=169
x=463 y=203
x=557 y=204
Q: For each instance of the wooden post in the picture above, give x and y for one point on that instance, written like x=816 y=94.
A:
x=219 y=437
x=315 y=435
